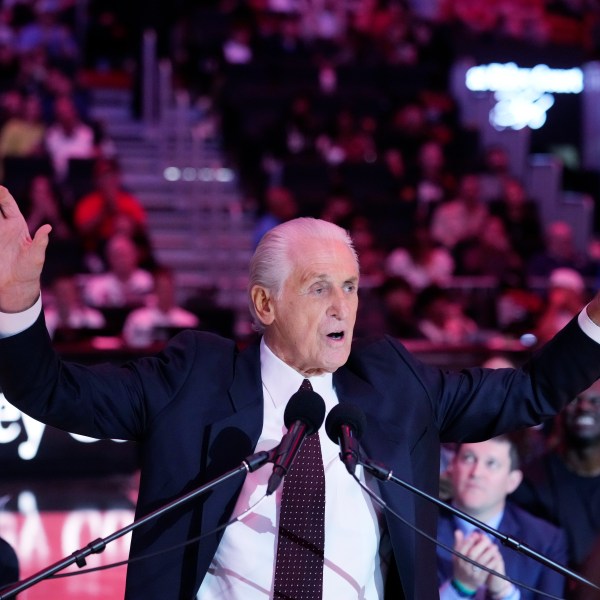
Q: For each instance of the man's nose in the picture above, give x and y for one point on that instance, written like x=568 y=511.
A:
x=476 y=469
x=340 y=305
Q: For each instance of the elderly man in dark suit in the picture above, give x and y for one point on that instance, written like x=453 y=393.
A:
x=200 y=406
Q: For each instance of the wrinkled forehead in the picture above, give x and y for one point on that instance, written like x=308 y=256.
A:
x=322 y=255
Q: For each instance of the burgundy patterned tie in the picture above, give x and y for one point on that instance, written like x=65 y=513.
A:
x=301 y=540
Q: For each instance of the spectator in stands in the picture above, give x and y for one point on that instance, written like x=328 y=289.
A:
x=372 y=258
x=9 y=64
x=495 y=169
x=237 y=47
x=124 y=285
x=56 y=84
x=563 y=485
x=296 y=133
x=483 y=475
x=422 y=262
x=109 y=43
x=279 y=206
x=517 y=307
x=565 y=298
x=350 y=139
x=431 y=178
x=286 y=45
x=68 y=136
x=407 y=130
x=400 y=42
x=11 y=105
x=23 y=135
x=521 y=218
x=107 y=210
x=392 y=312
x=560 y=251
x=442 y=318
x=326 y=21
x=67 y=316
x=339 y=208
x=161 y=314
x=461 y=218
x=46 y=32
x=370 y=252
x=43 y=204
x=489 y=253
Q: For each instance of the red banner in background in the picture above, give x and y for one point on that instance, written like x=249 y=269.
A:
x=44 y=537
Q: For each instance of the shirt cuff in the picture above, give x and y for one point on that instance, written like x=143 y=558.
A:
x=13 y=323
x=447 y=592
x=588 y=326
x=515 y=594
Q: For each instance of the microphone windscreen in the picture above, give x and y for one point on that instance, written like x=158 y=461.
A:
x=345 y=414
x=306 y=406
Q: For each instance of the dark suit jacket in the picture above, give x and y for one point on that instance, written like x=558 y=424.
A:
x=9 y=564
x=196 y=410
x=539 y=535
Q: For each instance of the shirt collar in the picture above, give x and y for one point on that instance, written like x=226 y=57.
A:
x=467 y=527
x=282 y=381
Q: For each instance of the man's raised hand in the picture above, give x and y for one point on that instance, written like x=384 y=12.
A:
x=21 y=257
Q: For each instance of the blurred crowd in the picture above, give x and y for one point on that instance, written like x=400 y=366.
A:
x=339 y=110
x=101 y=276
x=342 y=110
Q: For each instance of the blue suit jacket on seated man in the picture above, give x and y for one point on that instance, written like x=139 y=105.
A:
x=196 y=409
x=537 y=534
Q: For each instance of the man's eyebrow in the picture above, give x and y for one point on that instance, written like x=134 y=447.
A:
x=316 y=277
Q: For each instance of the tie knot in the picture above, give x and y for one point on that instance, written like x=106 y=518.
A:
x=306 y=386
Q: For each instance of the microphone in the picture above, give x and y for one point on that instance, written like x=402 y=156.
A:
x=303 y=416
x=344 y=426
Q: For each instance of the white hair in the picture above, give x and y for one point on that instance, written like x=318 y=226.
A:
x=272 y=262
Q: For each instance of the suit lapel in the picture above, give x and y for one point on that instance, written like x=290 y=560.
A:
x=381 y=439
x=246 y=388
x=227 y=442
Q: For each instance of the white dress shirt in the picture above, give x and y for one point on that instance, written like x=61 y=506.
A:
x=355 y=555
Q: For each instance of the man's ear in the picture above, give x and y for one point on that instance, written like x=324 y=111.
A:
x=514 y=480
x=263 y=304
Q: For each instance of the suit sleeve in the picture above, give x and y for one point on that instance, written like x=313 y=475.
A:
x=476 y=404
x=551 y=581
x=104 y=400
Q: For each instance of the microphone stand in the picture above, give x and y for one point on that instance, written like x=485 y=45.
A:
x=248 y=465
x=382 y=473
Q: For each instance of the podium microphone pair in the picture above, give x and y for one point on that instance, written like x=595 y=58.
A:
x=303 y=416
